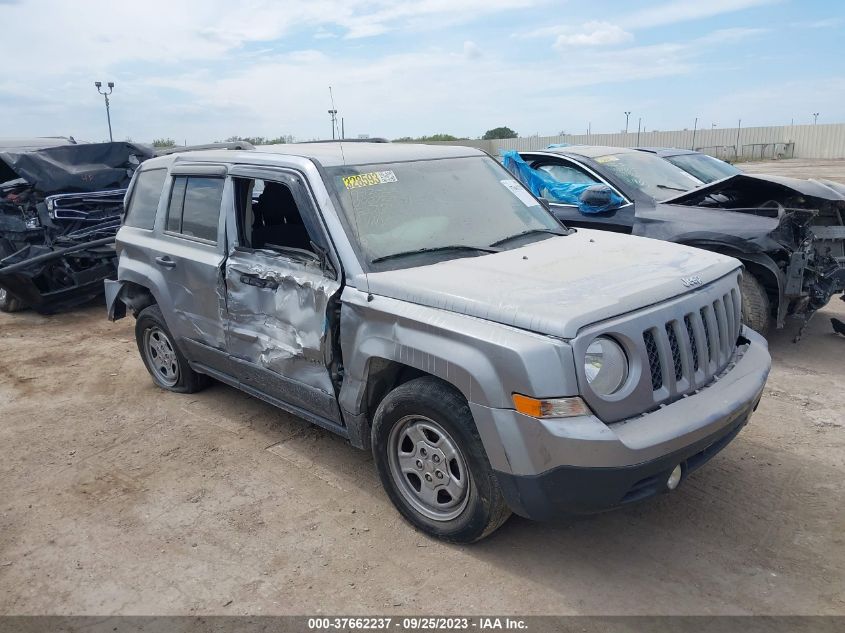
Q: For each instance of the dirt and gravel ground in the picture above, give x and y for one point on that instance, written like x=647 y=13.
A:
x=831 y=169
x=119 y=498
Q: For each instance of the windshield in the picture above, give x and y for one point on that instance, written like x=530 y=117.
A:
x=436 y=209
x=704 y=167
x=648 y=173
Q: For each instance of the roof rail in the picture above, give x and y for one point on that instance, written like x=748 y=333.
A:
x=377 y=139
x=195 y=148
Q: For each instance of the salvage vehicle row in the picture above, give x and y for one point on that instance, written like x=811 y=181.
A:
x=788 y=233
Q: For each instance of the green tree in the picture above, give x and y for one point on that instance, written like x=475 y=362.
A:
x=261 y=140
x=499 y=132
x=164 y=142
x=423 y=139
x=439 y=137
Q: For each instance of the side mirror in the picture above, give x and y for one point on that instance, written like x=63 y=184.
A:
x=596 y=196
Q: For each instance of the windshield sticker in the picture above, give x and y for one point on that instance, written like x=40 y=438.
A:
x=519 y=191
x=369 y=179
x=606 y=159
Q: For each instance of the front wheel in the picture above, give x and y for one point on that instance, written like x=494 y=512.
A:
x=9 y=302
x=432 y=464
x=165 y=362
x=756 y=310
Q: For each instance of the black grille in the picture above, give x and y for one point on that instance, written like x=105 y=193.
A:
x=692 y=344
x=653 y=360
x=684 y=357
x=703 y=312
x=676 y=351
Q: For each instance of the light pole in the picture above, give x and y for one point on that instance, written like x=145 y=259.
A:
x=694 y=130
x=106 y=94
x=815 y=117
x=627 y=114
x=333 y=114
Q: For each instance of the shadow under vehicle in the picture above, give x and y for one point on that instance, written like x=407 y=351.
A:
x=60 y=208
x=793 y=266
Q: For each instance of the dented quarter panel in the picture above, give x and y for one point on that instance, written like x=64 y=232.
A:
x=135 y=265
x=685 y=225
x=484 y=360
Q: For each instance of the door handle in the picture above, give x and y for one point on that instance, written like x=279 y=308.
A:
x=166 y=262
x=258 y=282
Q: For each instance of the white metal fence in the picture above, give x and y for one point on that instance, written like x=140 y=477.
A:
x=787 y=141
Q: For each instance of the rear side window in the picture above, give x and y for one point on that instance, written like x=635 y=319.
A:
x=194 y=208
x=141 y=212
x=566 y=173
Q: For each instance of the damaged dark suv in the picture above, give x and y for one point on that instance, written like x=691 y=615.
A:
x=792 y=266
x=60 y=207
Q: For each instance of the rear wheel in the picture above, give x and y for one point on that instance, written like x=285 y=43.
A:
x=756 y=309
x=432 y=464
x=9 y=302
x=166 y=364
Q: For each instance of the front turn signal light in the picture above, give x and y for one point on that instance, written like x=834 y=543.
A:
x=550 y=407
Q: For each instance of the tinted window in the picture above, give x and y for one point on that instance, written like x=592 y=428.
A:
x=565 y=173
x=145 y=196
x=174 y=209
x=198 y=199
x=651 y=175
x=704 y=167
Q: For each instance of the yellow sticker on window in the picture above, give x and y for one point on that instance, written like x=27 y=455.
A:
x=369 y=179
x=606 y=159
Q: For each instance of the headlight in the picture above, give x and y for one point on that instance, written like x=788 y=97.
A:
x=606 y=366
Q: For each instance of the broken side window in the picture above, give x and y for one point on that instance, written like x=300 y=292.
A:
x=269 y=217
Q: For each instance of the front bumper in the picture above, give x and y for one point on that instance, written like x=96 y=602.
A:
x=569 y=490
x=548 y=468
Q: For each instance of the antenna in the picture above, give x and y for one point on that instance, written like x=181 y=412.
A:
x=333 y=115
x=333 y=112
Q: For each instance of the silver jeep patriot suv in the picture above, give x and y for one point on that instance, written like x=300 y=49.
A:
x=420 y=302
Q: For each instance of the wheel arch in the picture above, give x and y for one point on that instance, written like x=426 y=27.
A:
x=762 y=266
x=381 y=375
x=127 y=294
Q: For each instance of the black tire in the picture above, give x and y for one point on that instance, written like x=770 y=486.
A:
x=431 y=399
x=756 y=309
x=9 y=302
x=184 y=379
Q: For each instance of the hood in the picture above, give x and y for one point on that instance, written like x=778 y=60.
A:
x=74 y=168
x=751 y=190
x=558 y=285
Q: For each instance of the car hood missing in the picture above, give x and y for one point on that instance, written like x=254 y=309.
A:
x=559 y=285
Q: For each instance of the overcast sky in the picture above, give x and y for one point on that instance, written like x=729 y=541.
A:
x=202 y=70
